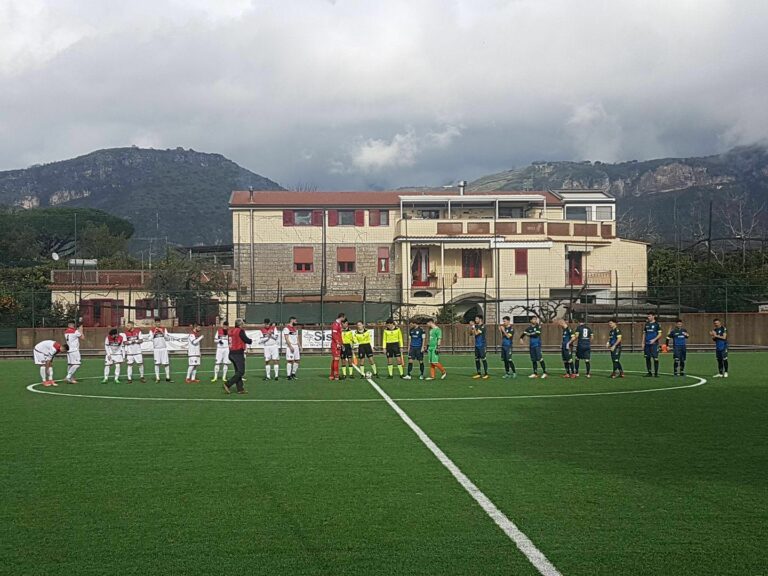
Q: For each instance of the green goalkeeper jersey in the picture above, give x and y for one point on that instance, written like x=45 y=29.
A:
x=435 y=336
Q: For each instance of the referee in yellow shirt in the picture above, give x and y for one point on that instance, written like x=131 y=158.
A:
x=362 y=338
x=393 y=345
x=347 y=353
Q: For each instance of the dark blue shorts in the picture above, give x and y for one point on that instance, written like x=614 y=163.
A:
x=583 y=353
x=506 y=352
x=480 y=352
x=567 y=354
x=536 y=354
x=651 y=350
x=416 y=354
x=679 y=353
x=721 y=354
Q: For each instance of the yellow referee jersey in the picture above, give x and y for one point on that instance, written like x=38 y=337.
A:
x=363 y=337
x=347 y=336
x=393 y=337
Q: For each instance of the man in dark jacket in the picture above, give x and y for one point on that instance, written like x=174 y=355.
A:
x=238 y=340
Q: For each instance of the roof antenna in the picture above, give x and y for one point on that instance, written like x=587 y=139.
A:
x=250 y=193
x=462 y=187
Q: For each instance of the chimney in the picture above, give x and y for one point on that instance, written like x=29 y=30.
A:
x=462 y=187
x=250 y=193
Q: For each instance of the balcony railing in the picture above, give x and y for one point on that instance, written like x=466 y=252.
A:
x=505 y=227
x=594 y=278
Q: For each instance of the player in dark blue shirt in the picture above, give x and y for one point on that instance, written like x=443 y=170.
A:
x=477 y=329
x=652 y=335
x=719 y=335
x=584 y=347
x=507 y=335
x=678 y=336
x=533 y=333
x=416 y=336
x=614 y=345
x=566 y=348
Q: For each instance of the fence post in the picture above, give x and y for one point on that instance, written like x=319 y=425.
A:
x=726 y=303
x=632 y=322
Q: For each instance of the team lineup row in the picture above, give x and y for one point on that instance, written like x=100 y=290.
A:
x=352 y=349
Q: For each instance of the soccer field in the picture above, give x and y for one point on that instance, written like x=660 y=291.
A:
x=605 y=477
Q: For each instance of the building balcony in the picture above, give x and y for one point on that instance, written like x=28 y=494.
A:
x=510 y=228
x=593 y=278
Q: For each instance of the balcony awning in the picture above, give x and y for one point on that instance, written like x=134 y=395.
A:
x=588 y=247
x=462 y=241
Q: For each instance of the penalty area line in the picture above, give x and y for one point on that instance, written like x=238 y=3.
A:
x=535 y=556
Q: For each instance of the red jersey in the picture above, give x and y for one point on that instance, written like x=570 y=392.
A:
x=336 y=340
x=238 y=339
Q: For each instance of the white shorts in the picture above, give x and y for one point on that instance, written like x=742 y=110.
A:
x=272 y=353
x=73 y=358
x=161 y=356
x=110 y=359
x=41 y=359
x=293 y=355
x=194 y=360
x=135 y=358
x=222 y=355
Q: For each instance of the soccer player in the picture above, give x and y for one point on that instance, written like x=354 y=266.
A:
x=719 y=335
x=652 y=332
x=44 y=353
x=193 y=354
x=614 y=345
x=114 y=347
x=269 y=339
x=415 y=349
x=533 y=333
x=584 y=347
x=362 y=338
x=347 y=352
x=160 y=349
x=566 y=348
x=222 y=352
x=433 y=350
x=477 y=329
x=133 y=354
x=337 y=345
x=679 y=338
x=238 y=340
x=292 y=348
x=72 y=336
x=393 y=346
x=507 y=338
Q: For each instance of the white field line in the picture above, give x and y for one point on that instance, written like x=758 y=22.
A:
x=33 y=388
x=535 y=556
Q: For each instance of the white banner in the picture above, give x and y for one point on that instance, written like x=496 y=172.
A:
x=321 y=339
x=176 y=342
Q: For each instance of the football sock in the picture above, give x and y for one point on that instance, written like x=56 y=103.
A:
x=589 y=366
x=43 y=374
x=288 y=368
x=295 y=369
x=189 y=373
x=577 y=367
x=725 y=368
x=50 y=373
x=485 y=366
x=375 y=369
x=335 y=367
x=400 y=369
x=223 y=371
x=648 y=364
x=106 y=372
x=215 y=371
x=266 y=369
x=682 y=366
x=656 y=366
x=117 y=371
x=535 y=367
x=421 y=368
x=512 y=367
x=129 y=372
x=410 y=368
x=477 y=366
x=390 y=369
x=168 y=371
x=567 y=366
x=506 y=365
x=157 y=372
x=276 y=370
x=431 y=370
x=440 y=367
x=194 y=373
x=543 y=367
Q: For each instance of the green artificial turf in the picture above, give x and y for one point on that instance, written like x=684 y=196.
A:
x=670 y=482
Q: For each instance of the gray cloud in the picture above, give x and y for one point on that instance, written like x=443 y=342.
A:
x=375 y=94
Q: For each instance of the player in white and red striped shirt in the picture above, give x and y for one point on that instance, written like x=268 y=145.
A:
x=72 y=336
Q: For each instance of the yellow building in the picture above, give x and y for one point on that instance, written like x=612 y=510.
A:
x=501 y=251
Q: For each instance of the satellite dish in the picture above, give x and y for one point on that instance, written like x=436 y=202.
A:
x=55 y=256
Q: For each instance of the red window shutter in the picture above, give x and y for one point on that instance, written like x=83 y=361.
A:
x=288 y=218
x=345 y=254
x=383 y=252
x=359 y=217
x=333 y=217
x=521 y=260
x=317 y=217
x=374 y=217
x=383 y=260
x=303 y=255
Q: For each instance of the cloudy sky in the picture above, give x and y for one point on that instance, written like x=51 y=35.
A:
x=356 y=93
